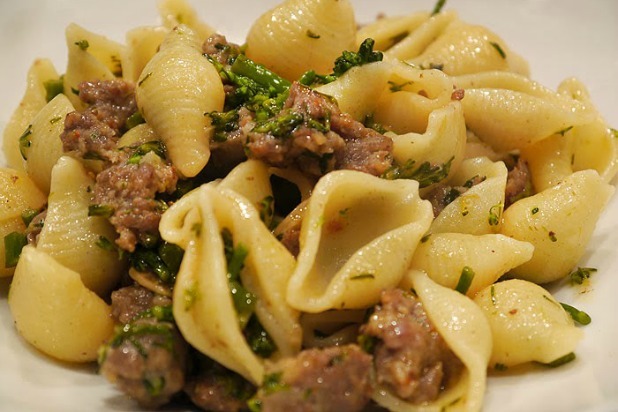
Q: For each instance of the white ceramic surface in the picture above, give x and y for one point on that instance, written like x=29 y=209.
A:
x=560 y=39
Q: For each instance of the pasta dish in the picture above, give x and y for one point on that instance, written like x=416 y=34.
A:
x=327 y=216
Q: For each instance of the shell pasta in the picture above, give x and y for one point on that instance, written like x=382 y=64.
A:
x=328 y=215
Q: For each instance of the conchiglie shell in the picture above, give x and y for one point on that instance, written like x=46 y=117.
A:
x=527 y=323
x=509 y=112
x=203 y=306
x=176 y=88
x=34 y=99
x=45 y=144
x=18 y=193
x=54 y=311
x=299 y=35
x=357 y=238
x=70 y=236
x=443 y=142
x=175 y=12
x=421 y=37
x=410 y=97
x=142 y=44
x=559 y=222
x=466 y=332
x=471 y=212
x=463 y=48
x=385 y=31
x=357 y=90
x=98 y=59
x=443 y=256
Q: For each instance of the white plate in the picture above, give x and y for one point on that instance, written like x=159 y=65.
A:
x=559 y=39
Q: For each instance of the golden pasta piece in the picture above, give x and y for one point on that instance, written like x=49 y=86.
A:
x=387 y=31
x=40 y=73
x=54 y=311
x=509 y=112
x=90 y=57
x=301 y=35
x=67 y=219
x=41 y=144
x=527 y=323
x=559 y=222
x=175 y=12
x=203 y=305
x=142 y=44
x=478 y=210
x=443 y=144
x=411 y=96
x=445 y=257
x=19 y=194
x=464 y=48
x=357 y=91
x=176 y=89
x=357 y=238
x=467 y=333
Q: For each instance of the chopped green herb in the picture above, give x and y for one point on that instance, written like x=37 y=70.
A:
x=29 y=214
x=614 y=132
x=580 y=274
x=53 y=88
x=25 y=142
x=552 y=236
x=564 y=131
x=155 y=146
x=133 y=120
x=425 y=238
x=105 y=244
x=561 y=360
x=267 y=210
x=258 y=339
x=500 y=367
x=367 y=342
x=244 y=301
x=154 y=385
x=578 y=316
x=82 y=44
x=146 y=77
x=75 y=91
x=397 y=87
x=55 y=120
x=363 y=276
x=312 y=35
x=492 y=293
x=438 y=7
x=494 y=214
x=465 y=280
x=100 y=210
x=14 y=242
x=272 y=383
x=498 y=49
x=534 y=210
x=426 y=174
x=372 y=124
x=190 y=296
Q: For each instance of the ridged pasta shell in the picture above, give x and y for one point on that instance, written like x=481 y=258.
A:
x=45 y=147
x=466 y=331
x=71 y=236
x=54 y=311
x=19 y=193
x=34 y=99
x=527 y=323
x=203 y=306
x=559 y=222
x=357 y=238
x=176 y=89
x=299 y=35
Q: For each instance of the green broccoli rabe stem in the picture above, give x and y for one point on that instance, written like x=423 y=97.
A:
x=244 y=66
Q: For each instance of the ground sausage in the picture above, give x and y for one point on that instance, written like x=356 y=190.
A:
x=410 y=357
x=331 y=379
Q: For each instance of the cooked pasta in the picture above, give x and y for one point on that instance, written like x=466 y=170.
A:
x=326 y=217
